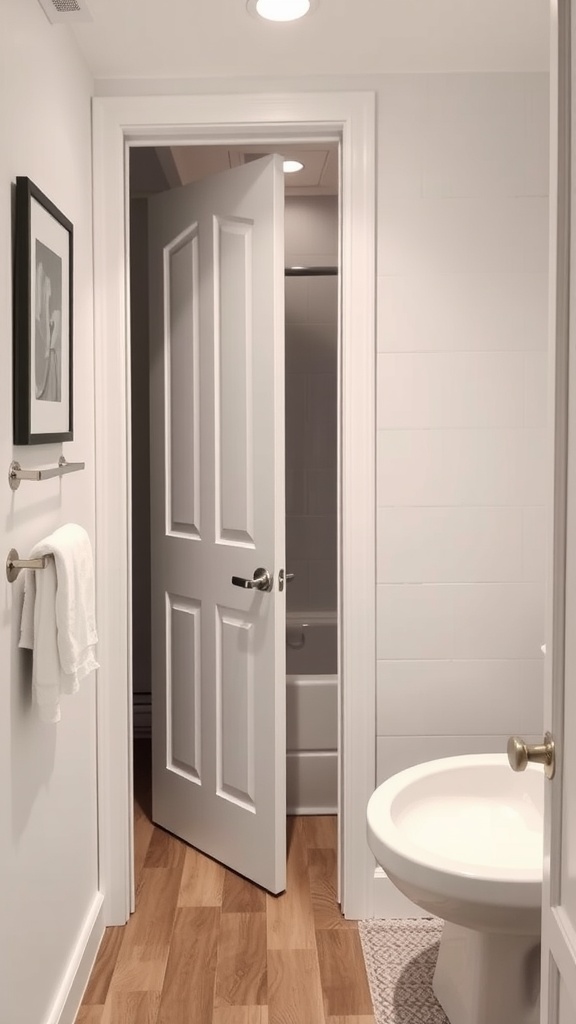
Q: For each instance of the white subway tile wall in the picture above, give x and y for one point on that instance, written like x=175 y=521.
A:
x=465 y=693
x=533 y=551
x=451 y=389
x=394 y=753
x=488 y=312
x=450 y=545
x=461 y=413
x=311 y=226
x=461 y=467
x=482 y=620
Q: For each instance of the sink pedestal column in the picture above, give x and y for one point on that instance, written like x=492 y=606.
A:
x=488 y=977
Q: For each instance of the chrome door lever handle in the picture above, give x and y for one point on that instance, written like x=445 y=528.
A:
x=520 y=753
x=262 y=580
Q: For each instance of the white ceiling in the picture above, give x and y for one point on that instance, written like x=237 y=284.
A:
x=206 y=38
x=155 y=169
x=319 y=175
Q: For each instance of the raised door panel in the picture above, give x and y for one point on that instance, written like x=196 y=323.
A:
x=182 y=397
x=235 y=709
x=183 y=689
x=233 y=286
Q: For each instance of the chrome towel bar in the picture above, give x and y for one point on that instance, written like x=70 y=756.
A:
x=311 y=272
x=16 y=473
x=14 y=564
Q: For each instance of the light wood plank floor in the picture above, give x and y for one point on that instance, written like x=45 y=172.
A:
x=205 y=946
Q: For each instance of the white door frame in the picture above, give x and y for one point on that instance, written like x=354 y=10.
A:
x=118 y=123
x=558 y=935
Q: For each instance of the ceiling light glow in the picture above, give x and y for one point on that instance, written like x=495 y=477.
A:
x=291 y=166
x=280 y=10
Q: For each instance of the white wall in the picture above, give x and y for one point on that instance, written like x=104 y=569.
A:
x=48 y=808
x=462 y=305
x=311 y=236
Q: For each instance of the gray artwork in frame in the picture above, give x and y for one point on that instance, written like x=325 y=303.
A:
x=43 y=308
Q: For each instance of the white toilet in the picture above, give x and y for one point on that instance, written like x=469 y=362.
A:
x=462 y=838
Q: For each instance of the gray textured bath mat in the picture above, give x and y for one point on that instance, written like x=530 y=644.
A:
x=400 y=958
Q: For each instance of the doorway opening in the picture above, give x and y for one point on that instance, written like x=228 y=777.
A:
x=120 y=124
x=312 y=333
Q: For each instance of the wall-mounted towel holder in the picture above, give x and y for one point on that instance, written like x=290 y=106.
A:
x=14 y=564
x=16 y=473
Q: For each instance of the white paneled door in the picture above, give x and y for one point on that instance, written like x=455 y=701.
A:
x=217 y=512
x=559 y=895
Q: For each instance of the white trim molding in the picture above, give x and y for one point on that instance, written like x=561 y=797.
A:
x=120 y=122
x=69 y=996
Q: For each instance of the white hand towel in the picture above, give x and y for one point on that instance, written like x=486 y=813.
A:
x=58 y=617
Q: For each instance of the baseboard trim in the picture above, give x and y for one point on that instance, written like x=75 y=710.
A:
x=69 y=997
x=389 y=902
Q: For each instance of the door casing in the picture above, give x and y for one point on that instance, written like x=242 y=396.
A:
x=558 y=932
x=125 y=121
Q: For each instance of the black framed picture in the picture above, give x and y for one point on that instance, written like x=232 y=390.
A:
x=43 y=304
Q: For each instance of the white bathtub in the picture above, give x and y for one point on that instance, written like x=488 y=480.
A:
x=311 y=713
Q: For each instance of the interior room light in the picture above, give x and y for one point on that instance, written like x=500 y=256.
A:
x=279 y=10
x=291 y=166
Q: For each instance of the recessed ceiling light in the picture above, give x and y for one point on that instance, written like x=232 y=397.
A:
x=290 y=166
x=280 y=10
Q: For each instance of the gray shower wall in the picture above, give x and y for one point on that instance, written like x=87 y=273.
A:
x=311 y=232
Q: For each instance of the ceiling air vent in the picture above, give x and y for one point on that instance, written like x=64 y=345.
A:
x=66 y=10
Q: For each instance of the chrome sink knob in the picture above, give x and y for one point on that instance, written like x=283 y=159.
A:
x=520 y=753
